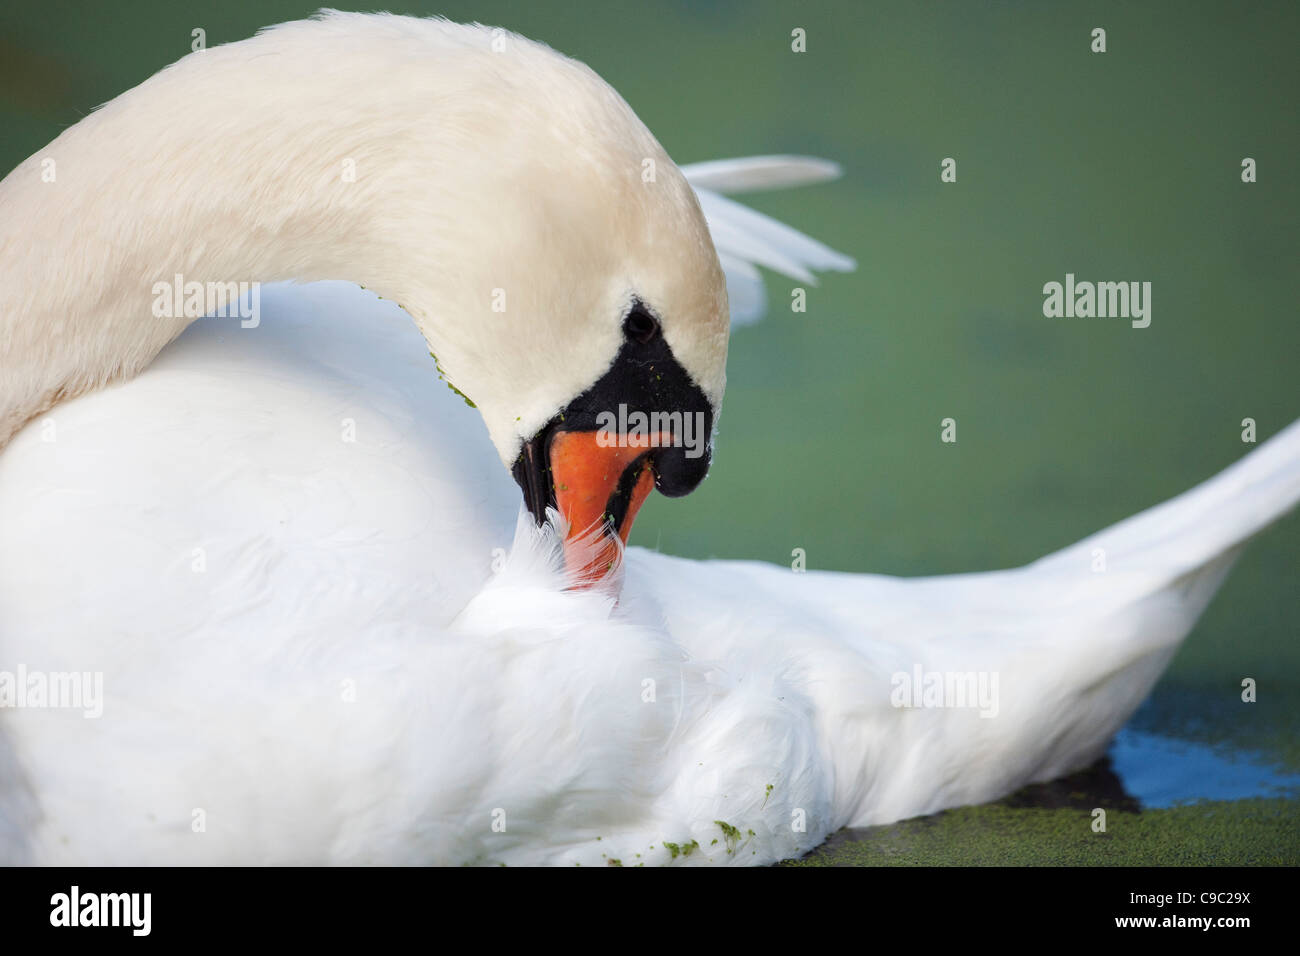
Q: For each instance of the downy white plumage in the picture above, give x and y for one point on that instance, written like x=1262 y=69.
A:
x=319 y=650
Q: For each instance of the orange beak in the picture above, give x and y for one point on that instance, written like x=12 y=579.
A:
x=599 y=486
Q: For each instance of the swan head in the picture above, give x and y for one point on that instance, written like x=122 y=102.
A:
x=582 y=308
x=645 y=423
x=616 y=364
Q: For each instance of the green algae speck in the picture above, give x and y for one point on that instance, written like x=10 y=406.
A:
x=730 y=834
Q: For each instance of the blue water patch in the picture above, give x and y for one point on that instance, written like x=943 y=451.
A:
x=1164 y=771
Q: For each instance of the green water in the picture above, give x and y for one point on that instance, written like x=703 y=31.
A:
x=1116 y=166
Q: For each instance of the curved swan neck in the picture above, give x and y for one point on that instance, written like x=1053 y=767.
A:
x=248 y=163
x=442 y=166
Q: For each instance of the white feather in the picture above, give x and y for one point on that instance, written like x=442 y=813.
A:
x=754 y=173
x=482 y=697
x=745 y=238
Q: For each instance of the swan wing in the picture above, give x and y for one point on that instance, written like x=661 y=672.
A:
x=745 y=239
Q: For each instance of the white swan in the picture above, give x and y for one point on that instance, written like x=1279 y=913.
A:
x=288 y=549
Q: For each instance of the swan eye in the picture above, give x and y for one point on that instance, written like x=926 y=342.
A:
x=640 y=326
